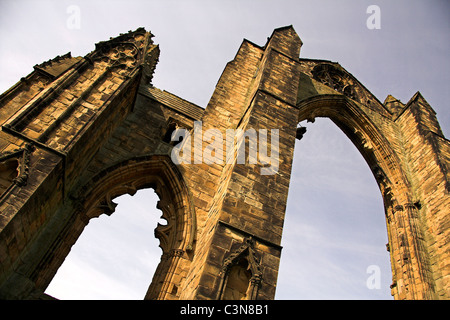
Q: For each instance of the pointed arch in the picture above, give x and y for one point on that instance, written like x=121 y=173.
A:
x=401 y=209
x=373 y=146
x=177 y=237
x=241 y=274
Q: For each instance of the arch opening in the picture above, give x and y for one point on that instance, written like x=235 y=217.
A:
x=176 y=236
x=335 y=229
x=116 y=256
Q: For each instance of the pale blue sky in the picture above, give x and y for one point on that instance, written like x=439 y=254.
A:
x=335 y=226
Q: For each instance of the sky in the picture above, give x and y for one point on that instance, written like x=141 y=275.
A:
x=335 y=232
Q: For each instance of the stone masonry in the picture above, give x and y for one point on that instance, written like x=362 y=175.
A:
x=78 y=132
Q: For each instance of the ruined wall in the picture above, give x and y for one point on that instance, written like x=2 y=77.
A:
x=78 y=132
x=408 y=155
x=60 y=115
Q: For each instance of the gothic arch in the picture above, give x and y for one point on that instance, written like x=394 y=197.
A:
x=157 y=172
x=359 y=128
x=176 y=237
x=401 y=206
x=241 y=275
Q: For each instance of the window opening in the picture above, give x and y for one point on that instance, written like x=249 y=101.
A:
x=115 y=256
x=335 y=230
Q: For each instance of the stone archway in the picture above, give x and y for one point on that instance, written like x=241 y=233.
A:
x=176 y=237
x=405 y=232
